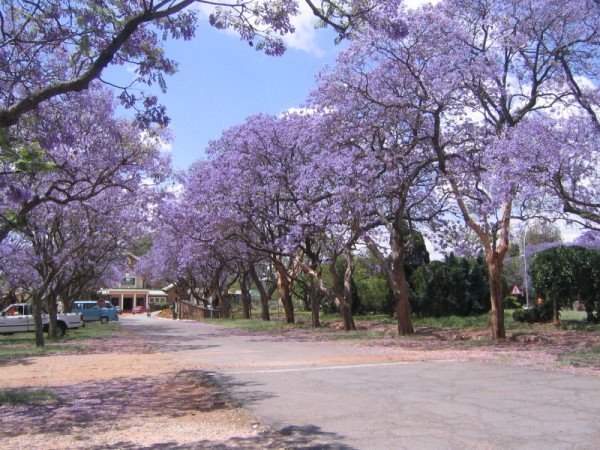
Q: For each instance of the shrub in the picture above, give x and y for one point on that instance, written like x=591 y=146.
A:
x=538 y=314
x=512 y=302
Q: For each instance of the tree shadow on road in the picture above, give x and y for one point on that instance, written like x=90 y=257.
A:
x=109 y=407
x=297 y=437
x=240 y=393
x=108 y=402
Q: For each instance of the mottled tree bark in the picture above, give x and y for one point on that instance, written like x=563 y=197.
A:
x=264 y=295
x=284 y=285
x=52 y=324
x=246 y=298
x=495 y=264
x=315 y=304
x=37 y=316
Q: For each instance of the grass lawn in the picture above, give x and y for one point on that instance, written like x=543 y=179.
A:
x=22 y=345
x=573 y=315
x=26 y=397
x=583 y=358
x=571 y=320
x=255 y=324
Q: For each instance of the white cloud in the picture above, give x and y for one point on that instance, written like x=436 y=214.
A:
x=299 y=111
x=175 y=188
x=305 y=36
x=163 y=145
x=585 y=82
x=414 y=4
x=570 y=231
x=434 y=254
x=303 y=39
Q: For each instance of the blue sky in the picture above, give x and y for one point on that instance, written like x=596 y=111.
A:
x=222 y=80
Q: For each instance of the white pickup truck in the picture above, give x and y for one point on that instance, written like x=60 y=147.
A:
x=18 y=318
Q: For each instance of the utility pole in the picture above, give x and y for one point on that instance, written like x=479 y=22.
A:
x=525 y=265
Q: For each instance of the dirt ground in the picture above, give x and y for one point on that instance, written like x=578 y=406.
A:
x=121 y=399
x=124 y=394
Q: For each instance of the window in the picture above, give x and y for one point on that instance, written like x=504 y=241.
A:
x=128 y=282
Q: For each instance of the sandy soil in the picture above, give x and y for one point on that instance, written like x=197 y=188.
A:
x=125 y=394
x=121 y=399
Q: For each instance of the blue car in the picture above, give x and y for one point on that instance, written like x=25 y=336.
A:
x=91 y=310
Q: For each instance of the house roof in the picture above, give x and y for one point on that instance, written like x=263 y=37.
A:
x=151 y=292
x=156 y=293
x=137 y=258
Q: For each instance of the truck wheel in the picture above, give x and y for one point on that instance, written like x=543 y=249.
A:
x=103 y=319
x=62 y=330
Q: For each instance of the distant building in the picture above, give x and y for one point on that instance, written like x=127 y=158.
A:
x=173 y=292
x=132 y=290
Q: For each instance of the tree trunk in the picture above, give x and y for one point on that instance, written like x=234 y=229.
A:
x=37 y=316
x=246 y=298
x=305 y=298
x=264 y=296
x=215 y=298
x=394 y=272
x=401 y=295
x=342 y=301
x=341 y=293
x=314 y=304
x=495 y=264
x=224 y=306
x=346 y=313
x=285 y=291
x=555 y=315
x=53 y=324
x=346 y=310
x=399 y=283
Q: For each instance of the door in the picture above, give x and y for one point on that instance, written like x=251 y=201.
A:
x=16 y=319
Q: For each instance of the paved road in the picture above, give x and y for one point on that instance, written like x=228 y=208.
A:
x=334 y=396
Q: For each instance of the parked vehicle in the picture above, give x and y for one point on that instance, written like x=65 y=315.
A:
x=18 y=318
x=93 y=310
x=140 y=310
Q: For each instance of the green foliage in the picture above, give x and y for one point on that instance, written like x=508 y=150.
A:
x=456 y=286
x=356 y=301
x=542 y=232
x=566 y=274
x=417 y=254
x=23 y=159
x=478 y=321
x=512 y=302
x=159 y=306
x=371 y=286
x=539 y=314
